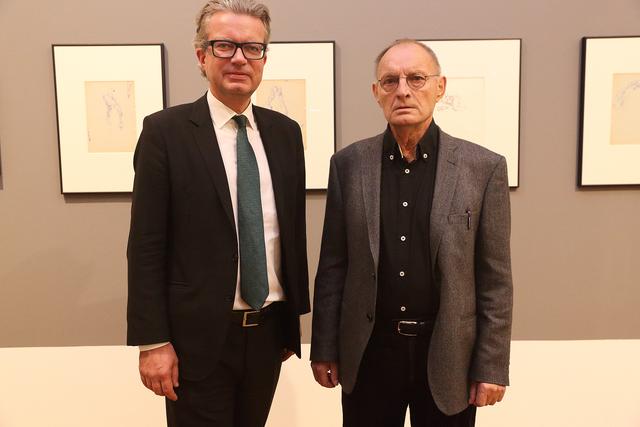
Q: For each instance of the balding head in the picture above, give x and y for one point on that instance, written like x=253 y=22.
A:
x=423 y=46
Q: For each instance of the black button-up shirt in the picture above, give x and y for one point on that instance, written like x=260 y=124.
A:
x=405 y=283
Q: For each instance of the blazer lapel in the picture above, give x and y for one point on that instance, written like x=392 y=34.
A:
x=276 y=167
x=207 y=143
x=371 y=164
x=446 y=179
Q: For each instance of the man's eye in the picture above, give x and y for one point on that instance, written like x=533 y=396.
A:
x=416 y=78
x=389 y=81
x=255 y=49
x=224 y=46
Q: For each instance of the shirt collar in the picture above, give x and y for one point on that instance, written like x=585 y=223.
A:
x=221 y=114
x=428 y=143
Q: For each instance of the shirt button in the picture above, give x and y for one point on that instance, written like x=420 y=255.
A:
x=403 y=308
x=407 y=171
x=402 y=274
x=391 y=157
x=403 y=238
x=425 y=155
x=405 y=204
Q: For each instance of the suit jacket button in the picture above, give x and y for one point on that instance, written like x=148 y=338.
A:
x=370 y=317
x=228 y=298
x=235 y=257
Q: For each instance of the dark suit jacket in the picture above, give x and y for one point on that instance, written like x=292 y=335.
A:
x=183 y=252
x=470 y=259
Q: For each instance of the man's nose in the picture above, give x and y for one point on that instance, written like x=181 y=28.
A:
x=403 y=88
x=238 y=56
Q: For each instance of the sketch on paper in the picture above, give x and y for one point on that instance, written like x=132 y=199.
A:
x=111 y=116
x=625 y=109
x=461 y=111
x=287 y=96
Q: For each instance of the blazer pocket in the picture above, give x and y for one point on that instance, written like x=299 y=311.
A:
x=467 y=219
x=458 y=218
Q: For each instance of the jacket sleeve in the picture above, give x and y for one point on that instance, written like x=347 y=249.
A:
x=494 y=288
x=147 y=318
x=301 y=228
x=330 y=279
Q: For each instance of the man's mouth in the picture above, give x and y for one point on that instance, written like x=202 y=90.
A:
x=237 y=76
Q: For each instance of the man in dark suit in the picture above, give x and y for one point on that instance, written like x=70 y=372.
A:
x=217 y=247
x=413 y=295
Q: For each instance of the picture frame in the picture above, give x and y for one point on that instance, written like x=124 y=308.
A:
x=609 y=147
x=482 y=98
x=299 y=81
x=103 y=92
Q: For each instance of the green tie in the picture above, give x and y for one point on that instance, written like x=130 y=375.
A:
x=254 y=284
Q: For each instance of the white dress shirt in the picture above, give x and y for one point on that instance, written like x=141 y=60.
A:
x=226 y=131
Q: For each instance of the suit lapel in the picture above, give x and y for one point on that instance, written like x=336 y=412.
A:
x=446 y=179
x=276 y=167
x=207 y=143
x=371 y=165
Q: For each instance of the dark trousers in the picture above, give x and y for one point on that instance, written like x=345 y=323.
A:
x=392 y=377
x=239 y=391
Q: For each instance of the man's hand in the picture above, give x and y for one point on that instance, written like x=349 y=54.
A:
x=159 y=370
x=325 y=373
x=482 y=394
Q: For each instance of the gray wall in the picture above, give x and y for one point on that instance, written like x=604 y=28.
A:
x=62 y=259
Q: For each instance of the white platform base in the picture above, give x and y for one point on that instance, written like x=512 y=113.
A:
x=554 y=383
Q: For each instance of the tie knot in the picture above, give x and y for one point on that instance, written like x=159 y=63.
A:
x=241 y=121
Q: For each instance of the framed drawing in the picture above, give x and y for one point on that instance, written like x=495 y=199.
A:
x=103 y=92
x=610 y=120
x=299 y=81
x=482 y=99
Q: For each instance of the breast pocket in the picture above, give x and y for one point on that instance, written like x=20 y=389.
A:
x=466 y=220
x=460 y=232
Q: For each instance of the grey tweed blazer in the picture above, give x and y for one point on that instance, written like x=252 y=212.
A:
x=471 y=262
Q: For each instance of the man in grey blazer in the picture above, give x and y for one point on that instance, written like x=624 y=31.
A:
x=413 y=295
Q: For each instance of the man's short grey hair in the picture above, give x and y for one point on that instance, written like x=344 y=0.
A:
x=426 y=48
x=239 y=7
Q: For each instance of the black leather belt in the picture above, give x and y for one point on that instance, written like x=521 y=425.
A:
x=250 y=318
x=412 y=327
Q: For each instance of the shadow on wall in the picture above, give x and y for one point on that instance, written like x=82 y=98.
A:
x=92 y=198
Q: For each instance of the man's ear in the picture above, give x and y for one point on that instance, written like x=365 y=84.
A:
x=442 y=87
x=375 y=90
x=201 y=55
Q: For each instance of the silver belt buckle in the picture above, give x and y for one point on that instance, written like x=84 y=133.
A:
x=406 y=322
x=244 y=319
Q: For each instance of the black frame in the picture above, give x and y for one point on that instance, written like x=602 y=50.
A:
x=335 y=123
x=583 y=71
x=55 y=86
x=519 y=39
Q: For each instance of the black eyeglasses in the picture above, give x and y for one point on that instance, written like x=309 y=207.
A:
x=414 y=81
x=228 y=48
